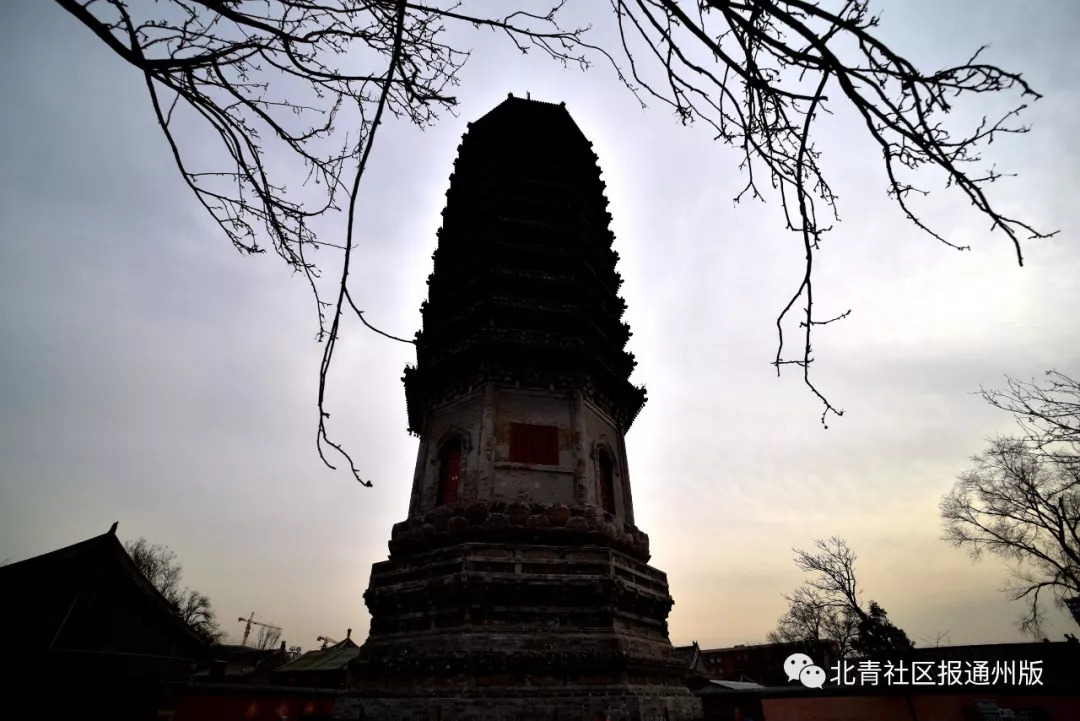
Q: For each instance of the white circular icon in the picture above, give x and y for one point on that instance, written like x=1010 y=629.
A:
x=795 y=664
x=813 y=677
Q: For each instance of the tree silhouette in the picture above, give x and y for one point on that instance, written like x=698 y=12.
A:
x=289 y=74
x=1020 y=500
x=828 y=607
x=159 y=564
x=813 y=616
x=878 y=637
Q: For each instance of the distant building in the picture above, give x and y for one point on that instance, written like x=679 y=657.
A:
x=730 y=700
x=764 y=663
x=242 y=663
x=87 y=621
x=1058 y=663
x=247 y=684
x=325 y=668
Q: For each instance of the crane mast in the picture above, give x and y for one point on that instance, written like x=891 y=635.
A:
x=249 y=622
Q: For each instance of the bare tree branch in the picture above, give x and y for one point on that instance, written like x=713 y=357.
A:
x=813 y=616
x=828 y=606
x=161 y=567
x=286 y=75
x=777 y=61
x=834 y=567
x=1020 y=501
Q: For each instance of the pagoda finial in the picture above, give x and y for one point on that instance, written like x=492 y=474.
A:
x=112 y=529
x=528 y=95
x=348 y=633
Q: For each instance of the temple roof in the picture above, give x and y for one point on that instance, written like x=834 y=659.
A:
x=77 y=568
x=526 y=112
x=691 y=655
x=331 y=658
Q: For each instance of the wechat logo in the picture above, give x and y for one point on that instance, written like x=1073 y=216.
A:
x=800 y=667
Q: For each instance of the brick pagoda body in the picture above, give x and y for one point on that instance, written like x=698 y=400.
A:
x=519 y=587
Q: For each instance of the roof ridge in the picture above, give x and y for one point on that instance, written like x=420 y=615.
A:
x=529 y=99
x=77 y=546
x=513 y=100
x=106 y=543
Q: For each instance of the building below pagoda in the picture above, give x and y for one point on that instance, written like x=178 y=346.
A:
x=518 y=586
x=85 y=630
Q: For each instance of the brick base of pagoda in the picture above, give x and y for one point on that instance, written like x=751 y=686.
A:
x=523 y=624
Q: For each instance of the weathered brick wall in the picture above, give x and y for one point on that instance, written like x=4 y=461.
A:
x=462 y=417
x=489 y=630
x=488 y=473
x=545 y=408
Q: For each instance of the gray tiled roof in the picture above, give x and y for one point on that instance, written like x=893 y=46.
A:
x=333 y=658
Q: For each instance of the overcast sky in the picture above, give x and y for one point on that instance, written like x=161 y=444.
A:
x=152 y=376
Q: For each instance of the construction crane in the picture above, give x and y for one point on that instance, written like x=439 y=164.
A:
x=327 y=640
x=249 y=622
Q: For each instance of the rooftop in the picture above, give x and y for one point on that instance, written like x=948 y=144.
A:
x=526 y=113
x=332 y=658
x=84 y=562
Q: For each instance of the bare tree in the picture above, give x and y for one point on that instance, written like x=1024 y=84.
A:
x=1020 y=501
x=1047 y=413
x=197 y=612
x=828 y=605
x=760 y=73
x=267 y=638
x=939 y=640
x=811 y=616
x=833 y=567
x=779 y=66
x=159 y=564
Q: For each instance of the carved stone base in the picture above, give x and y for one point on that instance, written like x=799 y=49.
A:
x=500 y=631
x=549 y=524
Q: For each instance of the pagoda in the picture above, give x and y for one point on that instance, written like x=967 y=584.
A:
x=518 y=587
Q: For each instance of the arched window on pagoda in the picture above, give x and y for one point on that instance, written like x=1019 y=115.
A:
x=451 y=467
x=606 y=480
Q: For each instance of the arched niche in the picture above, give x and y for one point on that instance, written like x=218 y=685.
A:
x=449 y=459
x=607 y=473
